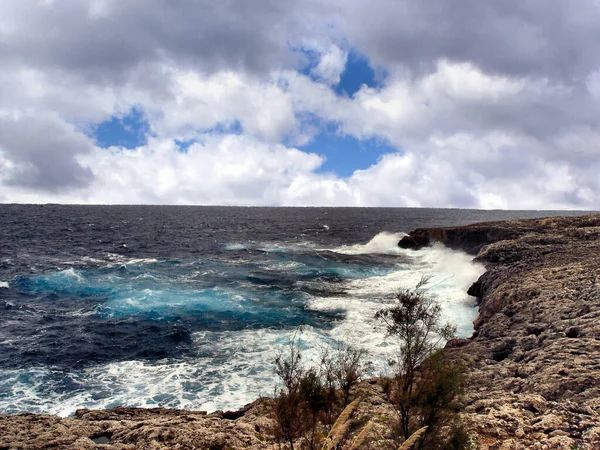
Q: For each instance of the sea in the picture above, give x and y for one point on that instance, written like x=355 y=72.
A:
x=188 y=306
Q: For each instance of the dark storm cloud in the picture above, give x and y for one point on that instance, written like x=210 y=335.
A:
x=43 y=151
x=103 y=39
x=550 y=38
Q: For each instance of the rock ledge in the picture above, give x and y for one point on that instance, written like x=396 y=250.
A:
x=534 y=359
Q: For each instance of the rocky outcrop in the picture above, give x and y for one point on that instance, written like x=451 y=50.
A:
x=534 y=359
x=165 y=429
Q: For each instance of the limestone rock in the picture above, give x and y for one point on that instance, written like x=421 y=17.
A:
x=162 y=429
x=534 y=360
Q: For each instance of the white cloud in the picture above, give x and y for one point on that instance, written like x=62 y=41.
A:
x=200 y=103
x=331 y=65
x=220 y=170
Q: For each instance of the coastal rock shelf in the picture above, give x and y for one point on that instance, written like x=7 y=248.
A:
x=165 y=429
x=533 y=361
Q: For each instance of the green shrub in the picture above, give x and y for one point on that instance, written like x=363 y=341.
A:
x=426 y=387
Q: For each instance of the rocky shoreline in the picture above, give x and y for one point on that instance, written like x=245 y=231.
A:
x=533 y=361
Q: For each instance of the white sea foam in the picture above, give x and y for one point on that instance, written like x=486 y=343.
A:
x=70 y=274
x=285 y=266
x=239 y=370
x=28 y=390
x=240 y=367
x=235 y=246
x=4 y=284
x=276 y=248
x=269 y=247
x=452 y=271
x=382 y=243
x=89 y=259
x=145 y=276
x=83 y=261
x=121 y=259
x=137 y=261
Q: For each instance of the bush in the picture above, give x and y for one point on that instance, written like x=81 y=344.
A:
x=426 y=386
x=312 y=396
x=425 y=391
x=344 y=368
x=289 y=409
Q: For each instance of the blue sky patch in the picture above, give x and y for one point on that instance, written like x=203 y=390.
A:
x=234 y=127
x=184 y=145
x=129 y=131
x=358 y=71
x=345 y=154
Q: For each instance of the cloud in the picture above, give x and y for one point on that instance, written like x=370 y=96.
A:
x=489 y=104
x=241 y=170
x=41 y=153
x=103 y=40
x=220 y=169
x=261 y=107
x=552 y=40
x=331 y=65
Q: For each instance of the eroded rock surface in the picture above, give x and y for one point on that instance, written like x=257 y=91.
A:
x=162 y=429
x=534 y=360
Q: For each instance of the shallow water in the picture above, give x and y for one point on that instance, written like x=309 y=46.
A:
x=186 y=307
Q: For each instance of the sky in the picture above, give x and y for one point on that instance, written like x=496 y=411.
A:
x=420 y=103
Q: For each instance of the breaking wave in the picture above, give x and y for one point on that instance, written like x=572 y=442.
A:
x=202 y=333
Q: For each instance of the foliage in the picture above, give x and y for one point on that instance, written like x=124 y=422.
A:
x=426 y=386
x=312 y=396
x=458 y=438
x=424 y=391
x=439 y=388
x=415 y=321
x=289 y=368
x=288 y=410
x=345 y=368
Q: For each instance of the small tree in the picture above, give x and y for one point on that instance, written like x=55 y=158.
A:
x=440 y=383
x=288 y=367
x=416 y=322
x=288 y=408
x=287 y=412
x=344 y=368
x=313 y=398
x=308 y=399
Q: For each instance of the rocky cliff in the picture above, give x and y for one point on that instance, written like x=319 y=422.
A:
x=534 y=359
x=533 y=362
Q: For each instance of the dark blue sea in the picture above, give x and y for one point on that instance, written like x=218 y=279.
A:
x=186 y=307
